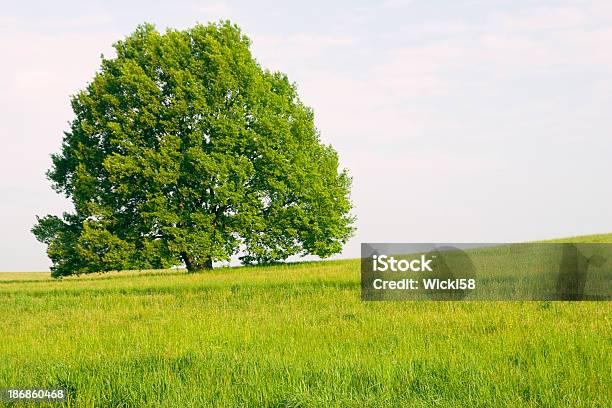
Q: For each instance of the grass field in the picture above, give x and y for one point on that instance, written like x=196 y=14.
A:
x=296 y=336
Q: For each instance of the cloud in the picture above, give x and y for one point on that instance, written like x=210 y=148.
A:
x=41 y=67
x=395 y=3
x=543 y=19
x=419 y=71
x=278 y=50
x=212 y=11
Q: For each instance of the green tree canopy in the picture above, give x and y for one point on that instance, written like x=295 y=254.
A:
x=184 y=150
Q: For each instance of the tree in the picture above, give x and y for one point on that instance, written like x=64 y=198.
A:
x=184 y=150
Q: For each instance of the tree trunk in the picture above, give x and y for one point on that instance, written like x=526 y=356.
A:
x=193 y=266
x=208 y=263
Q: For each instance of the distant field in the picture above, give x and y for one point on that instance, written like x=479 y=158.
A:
x=23 y=276
x=295 y=336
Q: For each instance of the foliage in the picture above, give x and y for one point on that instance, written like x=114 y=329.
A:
x=183 y=149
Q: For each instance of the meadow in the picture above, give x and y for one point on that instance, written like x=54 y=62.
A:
x=294 y=335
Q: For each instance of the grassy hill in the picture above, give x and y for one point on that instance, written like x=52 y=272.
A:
x=298 y=336
x=596 y=238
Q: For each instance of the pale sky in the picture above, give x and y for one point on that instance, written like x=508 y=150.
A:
x=460 y=121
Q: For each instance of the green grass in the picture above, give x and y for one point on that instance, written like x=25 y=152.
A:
x=595 y=238
x=295 y=336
